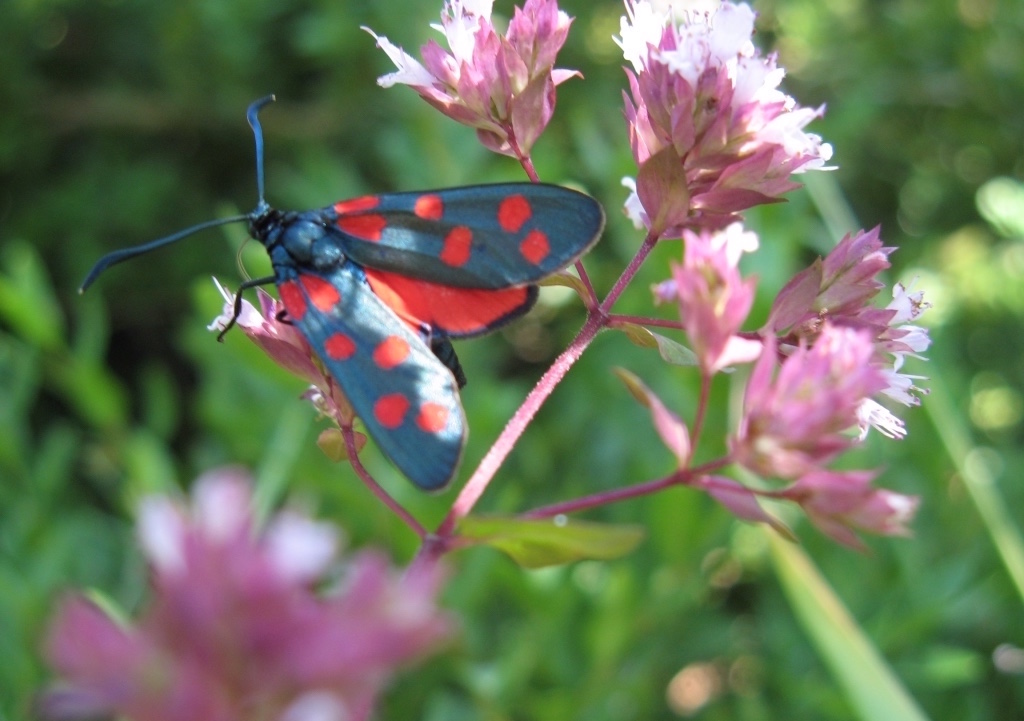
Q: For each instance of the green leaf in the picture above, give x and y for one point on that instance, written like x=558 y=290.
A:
x=565 y=279
x=670 y=351
x=637 y=334
x=675 y=353
x=27 y=300
x=550 y=542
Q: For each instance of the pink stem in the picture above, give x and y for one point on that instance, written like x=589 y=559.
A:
x=397 y=508
x=702 y=406
x=492 y=461
x=489 y=465
x=615 y=319
x=603 y=499
x=591 y=300
x=627 y=275
x=684 y=476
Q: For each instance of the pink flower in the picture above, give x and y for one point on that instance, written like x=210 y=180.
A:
x=287 y=347
x=837 y=502
x=713 y=298
x=279 y=340
x=837 y=290
x=710 y=132
x=236 y=628
x=797 y=420
x=504 y=86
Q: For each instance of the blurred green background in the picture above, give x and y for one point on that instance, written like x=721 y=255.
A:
x=123 y=120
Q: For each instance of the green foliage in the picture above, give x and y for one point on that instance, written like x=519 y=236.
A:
x=125 y=121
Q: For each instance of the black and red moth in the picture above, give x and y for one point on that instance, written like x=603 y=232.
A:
x=379 y=284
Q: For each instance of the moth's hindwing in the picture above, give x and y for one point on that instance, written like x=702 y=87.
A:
x=405 y=396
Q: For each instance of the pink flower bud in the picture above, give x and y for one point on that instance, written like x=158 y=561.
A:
x=837 y=502
x=713 y=298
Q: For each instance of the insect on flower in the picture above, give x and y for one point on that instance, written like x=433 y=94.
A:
x=381 y=283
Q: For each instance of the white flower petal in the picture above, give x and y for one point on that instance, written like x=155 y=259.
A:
x=299 y=547
x=410 y=72
x=316 y=706
x=220 y=504
x=870 y=413
x=161 y=531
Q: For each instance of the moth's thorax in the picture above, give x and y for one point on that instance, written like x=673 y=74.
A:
x=299 y=238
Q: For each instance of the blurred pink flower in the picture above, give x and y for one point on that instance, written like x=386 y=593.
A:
x=837 y=502
x=711 y=133
x=236 y=628
x=713 y=297
x=797 y=420
x=504 y=86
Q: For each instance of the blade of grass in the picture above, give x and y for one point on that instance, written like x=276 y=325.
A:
x=870 y=685
x=978 y=480
x=282 y=454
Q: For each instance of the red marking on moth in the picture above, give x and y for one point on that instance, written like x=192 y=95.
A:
x=365 y=202
x=321 y=293
x=432 y=418
x=390 y=410
x=339 y=347
x=293 y=300
x=513 y=212
x=391 y=352
x=457 y=246
x=368 y=226
x=429 y=207
x=535 y=247
x=459 y=311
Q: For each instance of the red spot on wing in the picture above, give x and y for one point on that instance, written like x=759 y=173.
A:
x=365 y=202
x=367 y=226
x=391 y=352
x=432 y=418
x=321 y=293
x=390 y=410
x=457 y=246
x=339 y=347
x=294 y=301
x=513 y=212
x=429 y=207
x=535 y=247
x=458 y=311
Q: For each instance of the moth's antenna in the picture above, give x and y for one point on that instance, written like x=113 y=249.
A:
x=119 y=256
x=124 y=254
x=254 y=122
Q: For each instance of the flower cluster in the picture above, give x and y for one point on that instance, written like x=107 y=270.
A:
x=836 y=290
x=236 y=628
x=823 y=357
x=710 y=131
x=502 y=85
